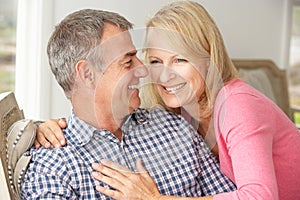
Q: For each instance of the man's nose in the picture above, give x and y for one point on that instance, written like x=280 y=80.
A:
x=140 y=69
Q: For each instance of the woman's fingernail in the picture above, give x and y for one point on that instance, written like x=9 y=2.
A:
x=99 y=188
x=104 y=161
x=62 y=142
x=95 y=165
x=47 y=145
x=97 y=175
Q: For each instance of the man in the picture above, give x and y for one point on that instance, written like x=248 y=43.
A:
x=94 y=60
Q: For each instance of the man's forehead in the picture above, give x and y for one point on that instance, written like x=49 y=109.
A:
x=116 y=46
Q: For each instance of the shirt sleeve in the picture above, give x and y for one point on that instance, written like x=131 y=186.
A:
x=212 y=180
x=248 y=137
x=46 y=178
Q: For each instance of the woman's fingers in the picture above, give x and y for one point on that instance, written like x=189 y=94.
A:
x=62 y=122
x=119 y=180
x=146 y=178
x=110 y=177
x=41 y=140
x=56 y=125
x=120 y=168
x=143 y=172
x=111 y=193
x=140 y=167
x=127 y=184
x=47 y=136
x=108 y=172
x=112 y=182
x=37 y=144
x=50 y=133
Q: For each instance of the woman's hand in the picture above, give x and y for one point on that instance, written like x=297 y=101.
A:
x=127 y=184
x=50 y=133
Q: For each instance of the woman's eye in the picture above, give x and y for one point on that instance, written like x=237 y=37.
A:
x=180 y=60
x=153 y=62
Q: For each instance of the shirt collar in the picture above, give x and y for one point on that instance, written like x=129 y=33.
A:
x=81 y=131
x=140 y=116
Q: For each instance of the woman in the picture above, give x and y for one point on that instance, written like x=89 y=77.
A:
x=257 y=145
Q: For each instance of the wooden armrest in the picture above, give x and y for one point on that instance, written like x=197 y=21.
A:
x=295 y=111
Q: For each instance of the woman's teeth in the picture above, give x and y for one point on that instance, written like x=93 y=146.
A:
x=174 y=89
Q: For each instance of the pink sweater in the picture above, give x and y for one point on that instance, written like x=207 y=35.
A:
x=259 y=147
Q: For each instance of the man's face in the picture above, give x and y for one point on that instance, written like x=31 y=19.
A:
x=116 y=93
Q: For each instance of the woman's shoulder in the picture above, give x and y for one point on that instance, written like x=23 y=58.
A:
x=238 y=86
x=238 y=89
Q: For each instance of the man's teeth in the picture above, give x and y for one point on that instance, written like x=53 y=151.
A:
x=132 y=87
x=173 y=89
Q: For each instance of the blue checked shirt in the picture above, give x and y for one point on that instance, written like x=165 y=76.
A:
x=171 y=150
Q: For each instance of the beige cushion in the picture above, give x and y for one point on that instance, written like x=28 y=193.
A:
x=265 y=76
x=259 y=80
x=15 y=140
x=20 y=138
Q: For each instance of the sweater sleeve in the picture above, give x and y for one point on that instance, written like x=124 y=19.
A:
x=247 y=136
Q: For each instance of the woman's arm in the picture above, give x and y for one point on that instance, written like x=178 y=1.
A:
x=130 y=185
x=246 y=127
x=49 y=134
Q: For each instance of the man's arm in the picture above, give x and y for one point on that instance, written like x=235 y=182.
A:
x=45 y=186
x=212 y=180
x=47 y=177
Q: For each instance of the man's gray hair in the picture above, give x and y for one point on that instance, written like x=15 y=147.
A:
x=74 y=38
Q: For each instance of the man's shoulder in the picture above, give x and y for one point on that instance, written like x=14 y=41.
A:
x=53 y=159
x=53 y=170
x=158 y=115
x=162 y=120
x=157 y=112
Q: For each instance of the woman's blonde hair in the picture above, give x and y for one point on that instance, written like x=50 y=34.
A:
x=192 y=21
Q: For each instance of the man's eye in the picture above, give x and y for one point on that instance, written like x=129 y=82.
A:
x=128 y=63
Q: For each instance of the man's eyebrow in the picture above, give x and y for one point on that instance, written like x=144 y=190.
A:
x=131 y=53
x=128 y=54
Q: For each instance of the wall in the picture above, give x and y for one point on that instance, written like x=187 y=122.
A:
x=251 y=29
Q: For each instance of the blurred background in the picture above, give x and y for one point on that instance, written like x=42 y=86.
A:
x=8 y=22
x=268 y=29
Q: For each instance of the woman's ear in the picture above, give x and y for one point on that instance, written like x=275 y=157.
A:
x=85 y=72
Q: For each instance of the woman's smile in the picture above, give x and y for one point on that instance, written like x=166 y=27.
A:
x=174 y=89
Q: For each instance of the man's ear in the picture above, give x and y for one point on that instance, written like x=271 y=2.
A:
x=85 y=72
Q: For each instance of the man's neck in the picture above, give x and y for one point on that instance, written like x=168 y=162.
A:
x=104 y=124
x=118 y=134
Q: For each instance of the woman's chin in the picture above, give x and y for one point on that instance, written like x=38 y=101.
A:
x=172 y=104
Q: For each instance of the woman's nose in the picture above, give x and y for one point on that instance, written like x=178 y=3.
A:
x=166 y=74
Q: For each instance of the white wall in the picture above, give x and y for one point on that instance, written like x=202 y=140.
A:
x=251 y=29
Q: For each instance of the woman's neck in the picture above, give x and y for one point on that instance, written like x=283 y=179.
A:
x=204 y=127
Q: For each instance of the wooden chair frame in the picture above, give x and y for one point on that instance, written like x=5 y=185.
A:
x=277 y=78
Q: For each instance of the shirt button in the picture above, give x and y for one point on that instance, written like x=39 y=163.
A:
x=102 y=133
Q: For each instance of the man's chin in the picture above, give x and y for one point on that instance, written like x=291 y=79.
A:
x=134 y=102
x=133 y=107
x=122 y=112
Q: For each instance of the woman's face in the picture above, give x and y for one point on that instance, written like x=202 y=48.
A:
x=178 y=81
